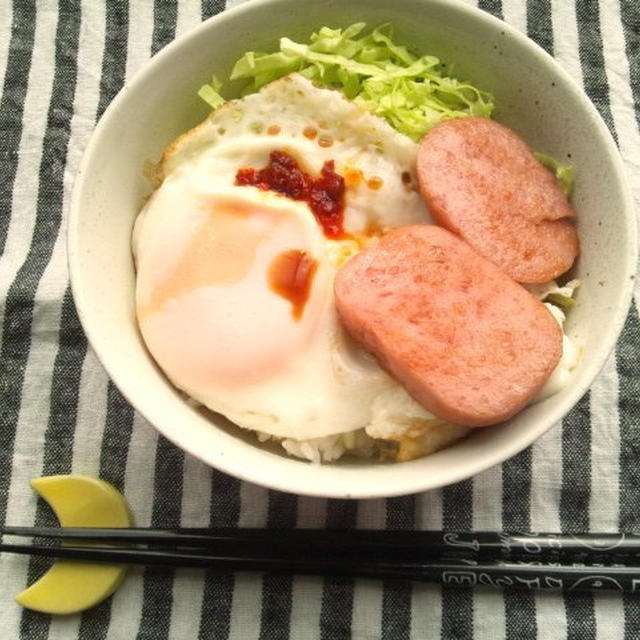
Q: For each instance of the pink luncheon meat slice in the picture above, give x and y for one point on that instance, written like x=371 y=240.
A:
x=466 y=341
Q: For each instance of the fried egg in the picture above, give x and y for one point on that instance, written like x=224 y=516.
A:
x=205 y=251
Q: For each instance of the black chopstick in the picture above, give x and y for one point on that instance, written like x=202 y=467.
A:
x=451 y=572
x=589 y=547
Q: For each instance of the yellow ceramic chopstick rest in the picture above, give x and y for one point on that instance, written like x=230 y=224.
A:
x=71 y=586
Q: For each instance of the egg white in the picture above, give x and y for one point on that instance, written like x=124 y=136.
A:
x=234 y=345
x=230 y=342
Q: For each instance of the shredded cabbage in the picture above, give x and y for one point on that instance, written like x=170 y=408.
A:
x=209 y=93
x=411 y=92
x=564 y=173
x=559 y=295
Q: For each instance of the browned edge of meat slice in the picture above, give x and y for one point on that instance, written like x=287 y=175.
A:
x=481 y=181
x=466 y=341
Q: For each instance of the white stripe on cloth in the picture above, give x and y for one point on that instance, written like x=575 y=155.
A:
x=254 y=505
x=565 y=38
x=92 y=400
x=609 y=613
x=426 y=611
x=235 y=3
x=488 y=606
x=64 y=627
x=126 y=605
x=92 y=415
x=487 y=500
x=139 y=38
x=189 y=16
x=609 y=610
x=188 y=586
x=488 y=614
x=551 y=619
x=247 y=593
x=515 y=13
x=605 y=450
x=196 y=491
x=6 y=11
x=546 y=472
x=429 y=510
x=621 y=100
x=34 y=124
x=312 y=513
x=186 y=606
x=306 y=603
x=245 y=611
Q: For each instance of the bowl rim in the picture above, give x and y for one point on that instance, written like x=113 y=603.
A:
x=402 y=484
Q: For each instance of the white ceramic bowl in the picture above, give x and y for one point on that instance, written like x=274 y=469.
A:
x=533 y=95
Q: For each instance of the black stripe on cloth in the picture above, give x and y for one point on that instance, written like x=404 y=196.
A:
x=576 y=467
x=211 y=8
x=592 y=59
x=627 y=358
x=494 y=7
x=630 y=18
x=20 y=304
x=396 y=596
x=336 y=613
x=94 y=624
x=14 y=92
x=631 y=616
x=275 y=616
x=215 y=616
x=574 y=508
x=165 y=16
x=539 y=26
x=167 y=508
x=58 y=439
x=116 y=438
x=457 y=602
x=114 y=57
x=520 y=607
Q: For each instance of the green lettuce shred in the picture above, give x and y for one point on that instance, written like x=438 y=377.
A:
x=209 y=93
x=564 y=173
x=413 y=93
x=564 y=302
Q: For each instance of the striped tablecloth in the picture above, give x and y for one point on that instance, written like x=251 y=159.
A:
x=60 y=66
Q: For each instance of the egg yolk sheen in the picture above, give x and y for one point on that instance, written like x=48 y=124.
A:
x=231 y=289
